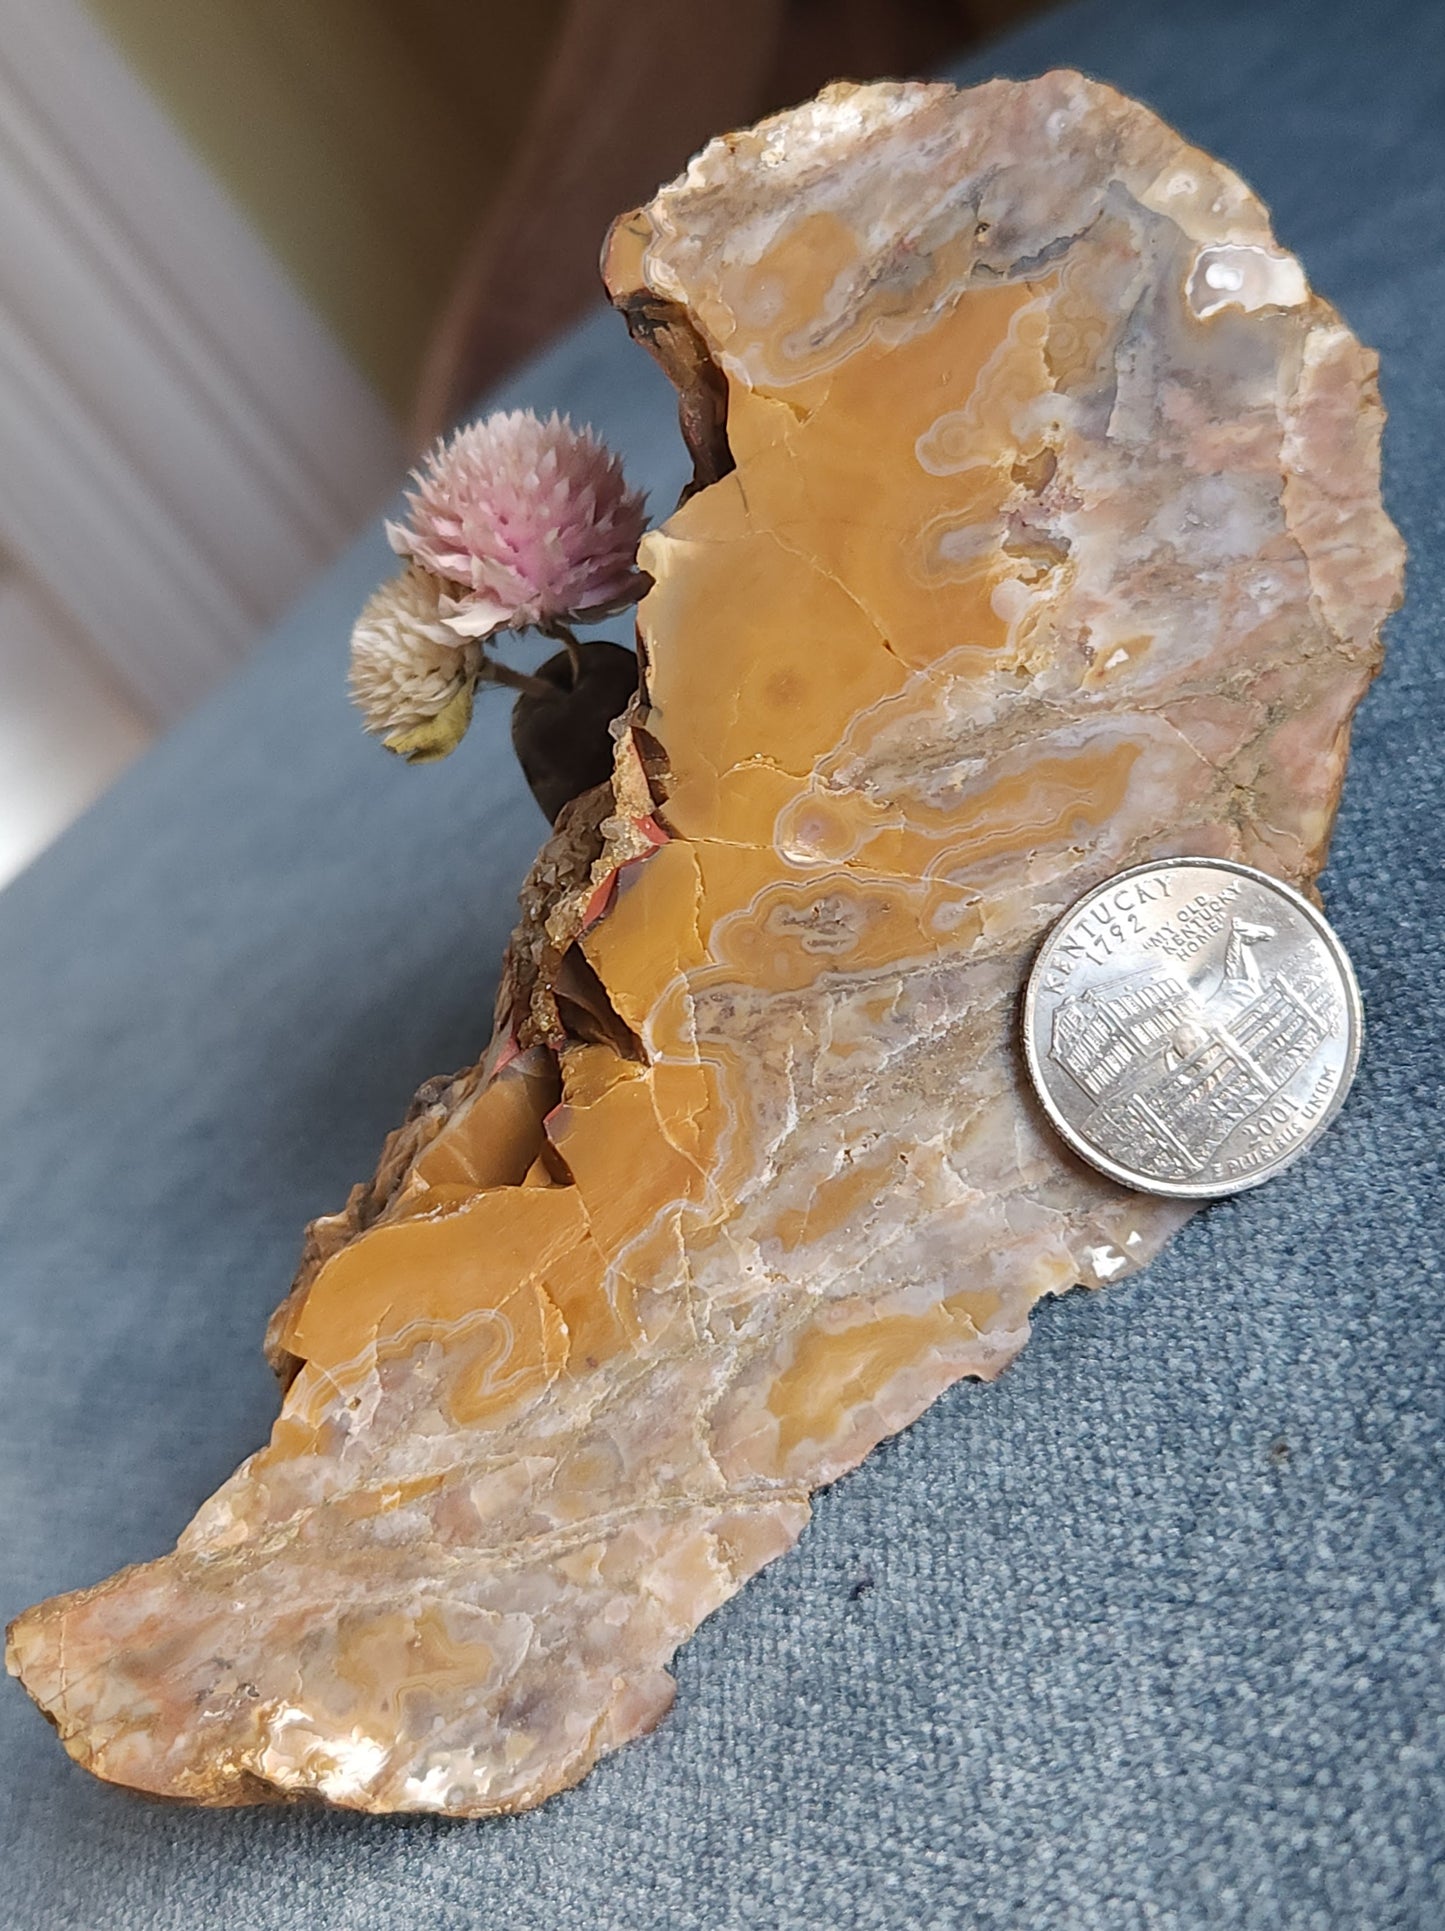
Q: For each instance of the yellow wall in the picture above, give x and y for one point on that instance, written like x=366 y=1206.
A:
x=362 y=137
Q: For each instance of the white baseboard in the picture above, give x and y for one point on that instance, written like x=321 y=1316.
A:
x=65 y=731
x=182 y=442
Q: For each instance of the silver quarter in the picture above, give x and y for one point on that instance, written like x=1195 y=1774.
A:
x=1191 y=1027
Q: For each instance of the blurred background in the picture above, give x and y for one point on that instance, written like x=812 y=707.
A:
x=255 y=253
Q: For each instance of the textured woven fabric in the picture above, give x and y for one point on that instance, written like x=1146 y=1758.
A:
x=1146 y=1634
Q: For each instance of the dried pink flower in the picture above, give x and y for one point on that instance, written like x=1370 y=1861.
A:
x=532 y=522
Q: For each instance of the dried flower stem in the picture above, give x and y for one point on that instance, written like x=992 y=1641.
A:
x=516 y=680
x=563 y=634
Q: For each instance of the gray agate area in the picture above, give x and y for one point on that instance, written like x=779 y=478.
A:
x=1149 y=1633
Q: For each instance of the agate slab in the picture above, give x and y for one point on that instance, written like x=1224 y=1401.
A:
x=1036 y=533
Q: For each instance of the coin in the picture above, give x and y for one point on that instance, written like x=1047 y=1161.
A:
x=1191 y=1026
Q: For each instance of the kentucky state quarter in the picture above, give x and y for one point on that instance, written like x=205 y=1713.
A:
x=1191 y=1027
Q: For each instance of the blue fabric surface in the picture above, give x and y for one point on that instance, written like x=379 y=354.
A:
x=1147 y=1634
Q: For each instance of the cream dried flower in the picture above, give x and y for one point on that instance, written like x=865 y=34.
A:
x=530 y=522
x=411 y=676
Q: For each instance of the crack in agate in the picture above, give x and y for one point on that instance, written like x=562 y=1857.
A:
x=1036 y=533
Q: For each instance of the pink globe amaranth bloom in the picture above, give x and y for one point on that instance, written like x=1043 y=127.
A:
x=529 y=522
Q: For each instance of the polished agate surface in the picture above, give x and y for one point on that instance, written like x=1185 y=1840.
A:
x=1037 y=533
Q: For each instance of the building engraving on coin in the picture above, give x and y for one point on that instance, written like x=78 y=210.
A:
x=1191 y=1026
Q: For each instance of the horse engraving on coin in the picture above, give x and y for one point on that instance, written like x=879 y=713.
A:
x=1191 y=1027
